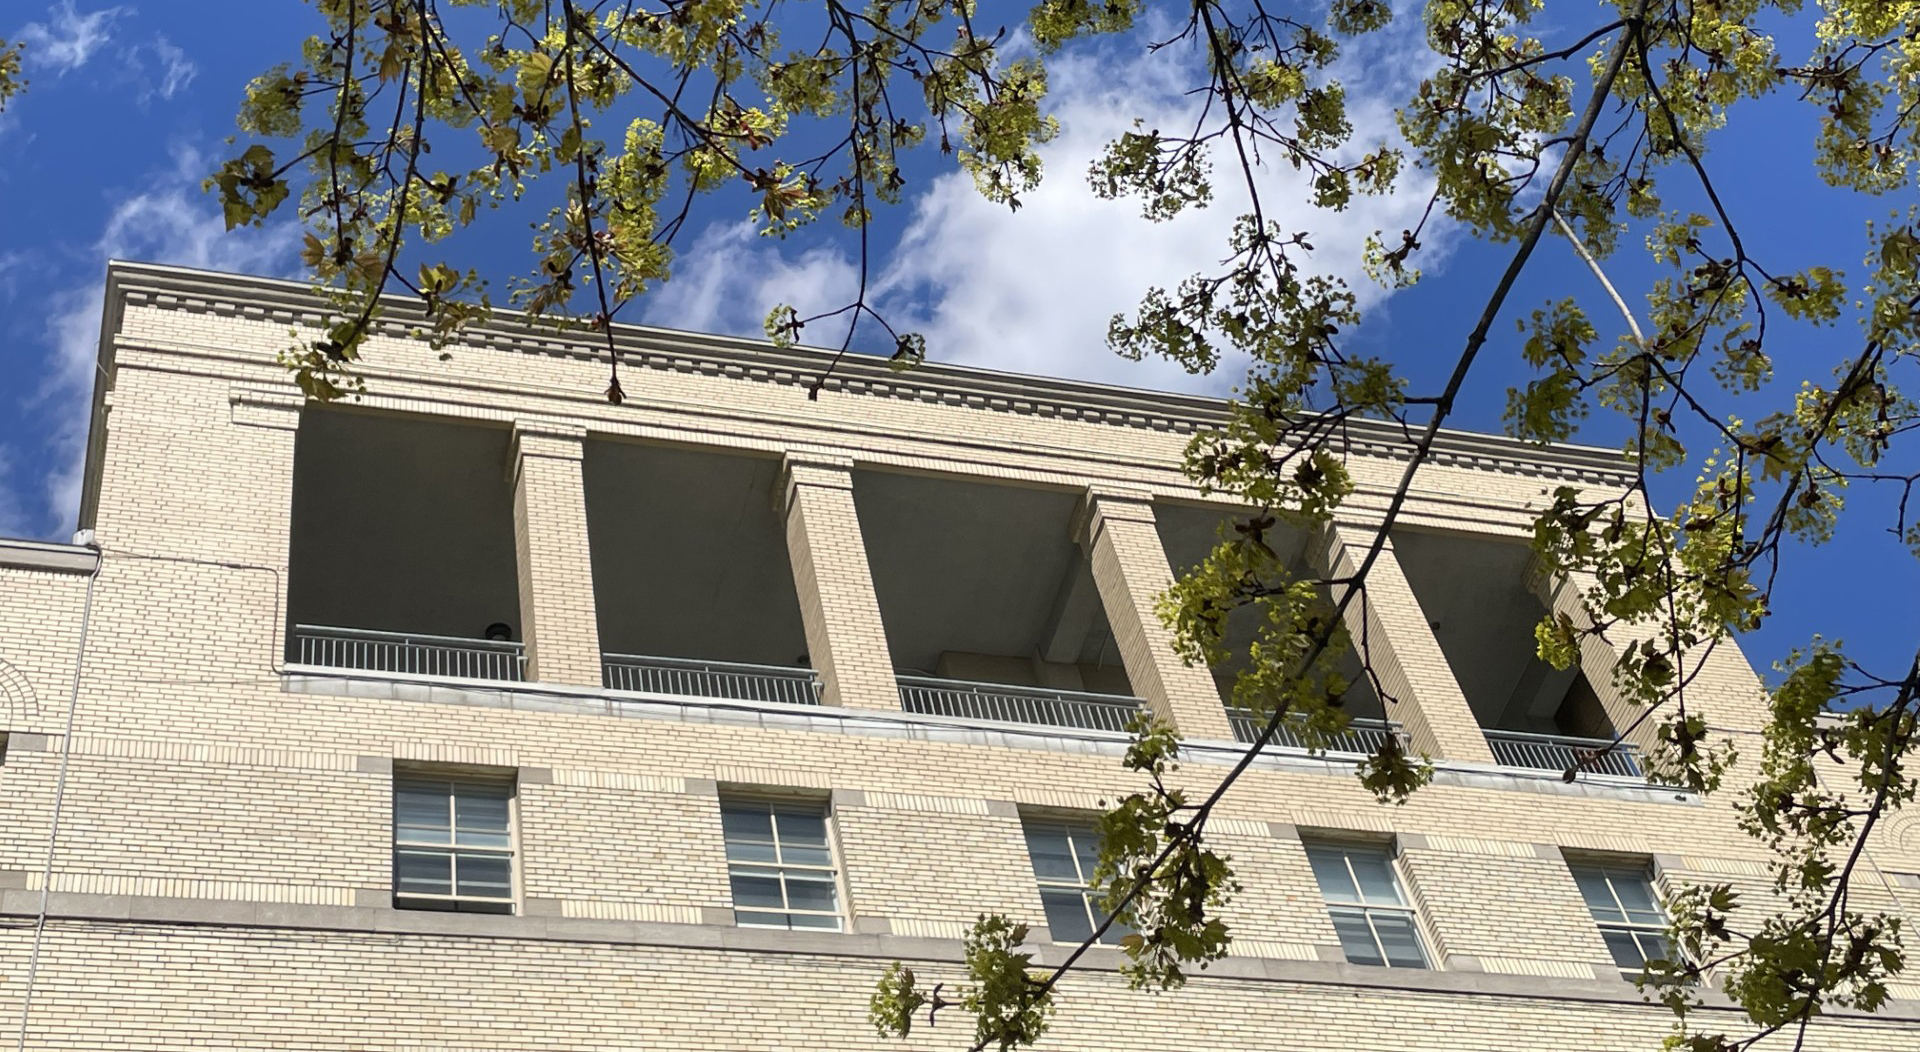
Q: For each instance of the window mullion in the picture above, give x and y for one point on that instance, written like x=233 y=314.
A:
x=1373 y=929
x=1618 y=903
x=779 y=864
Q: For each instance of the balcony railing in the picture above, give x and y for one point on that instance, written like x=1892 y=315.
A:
x=1362 y=737
x=1558 y=752
x=710 y=679
x=1010 y=704
x=408 y=652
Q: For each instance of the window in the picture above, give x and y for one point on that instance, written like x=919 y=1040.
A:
x=1630 y=918
x=1363 y=897
x=780 y=865
x=453 y=844
x=1064 y=856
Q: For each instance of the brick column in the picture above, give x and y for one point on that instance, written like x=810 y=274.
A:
x=1727 y=691
x=1561 y=595
x=845 y=639
x=1388 y=622
x=1130 y=569
x=558 y=619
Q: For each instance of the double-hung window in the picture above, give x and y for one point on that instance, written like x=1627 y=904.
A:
x=1372 y=918
x=1064 y=856
x=453 y=844
x=780 y=865
x=1622 y=902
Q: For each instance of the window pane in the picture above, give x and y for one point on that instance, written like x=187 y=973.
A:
x=756 y=891
x=1651 y=918
x=420 y=805
x=485 y=876
x=811 y=895
x=750 y=851
x=805 y=856
x=1117 y=930
x=481 y=809
x=1052 y=856
x=1067 y=915
x=1356 y=939
x=1399 y=938
x=1636 y=894
x=1625 y=950
x=1376 y=878
x=422 y=873
x=1086 y=850
x=760 y=920
x=802 y=920
x=747 y=824
x=1654 y=946
x=1330 y=869
x=470 y=838
x=802 y=829
x=1594 y=889
x=423 y=834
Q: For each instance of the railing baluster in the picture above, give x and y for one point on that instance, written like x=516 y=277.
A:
x=408 y=654
x=711 y=679
x=1554 y=752
x=1037 y=706
x=1362 y=737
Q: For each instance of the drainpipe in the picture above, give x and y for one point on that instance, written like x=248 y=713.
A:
x=84 y=537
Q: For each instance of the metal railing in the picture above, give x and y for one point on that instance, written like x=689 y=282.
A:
x=1362 y=737
x=1011 y=704
x=407 y=652
x=1558 y=752
x=710 y=679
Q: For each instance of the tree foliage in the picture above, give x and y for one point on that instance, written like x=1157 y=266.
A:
x=406 y=121
x=10 y=79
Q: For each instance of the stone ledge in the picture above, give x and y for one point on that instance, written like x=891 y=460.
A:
x=877 y=947
x=908 y=726
x=47 y=557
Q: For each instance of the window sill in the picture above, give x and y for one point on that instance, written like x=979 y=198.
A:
x=483 y=907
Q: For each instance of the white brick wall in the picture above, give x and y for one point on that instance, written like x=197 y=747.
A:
x=197 y=778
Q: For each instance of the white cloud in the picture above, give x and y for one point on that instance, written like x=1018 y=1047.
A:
x=730 y=278
x=12 y=264
x=1033 y=291
x=171 y=221
x=68 y=39
x=176 y=70
x=16 y=519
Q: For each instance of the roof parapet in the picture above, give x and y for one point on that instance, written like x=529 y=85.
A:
x=201 y=291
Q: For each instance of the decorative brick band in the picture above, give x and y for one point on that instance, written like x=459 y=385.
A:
x=294 y=304
x=715 y=938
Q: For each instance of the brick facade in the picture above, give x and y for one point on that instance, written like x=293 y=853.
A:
x=222 y=875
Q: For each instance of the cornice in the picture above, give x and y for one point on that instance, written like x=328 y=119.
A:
x=17 y=554
x=295 y=304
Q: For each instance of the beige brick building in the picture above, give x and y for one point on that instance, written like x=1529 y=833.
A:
x=777 y=691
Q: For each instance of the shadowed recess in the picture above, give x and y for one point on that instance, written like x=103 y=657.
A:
x=690 y=555
x=1473 y=592
x=401 y=524
x=984 y=582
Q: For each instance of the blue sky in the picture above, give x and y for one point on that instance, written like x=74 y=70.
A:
x=130 y=105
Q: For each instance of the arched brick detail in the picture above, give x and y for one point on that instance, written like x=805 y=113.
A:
x=1903 y=832
x=16 y=694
